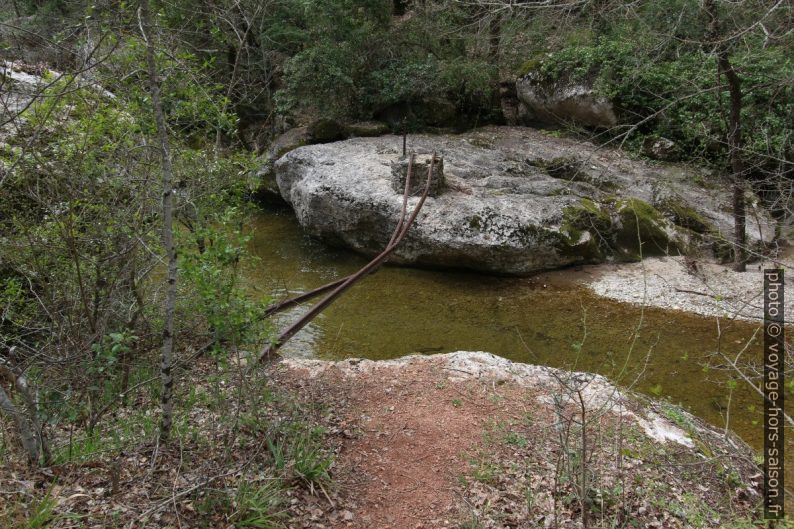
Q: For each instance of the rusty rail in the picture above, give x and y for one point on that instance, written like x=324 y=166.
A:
x=341 y=285
x=291 y=302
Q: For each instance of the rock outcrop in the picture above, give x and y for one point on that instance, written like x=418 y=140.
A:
x=515 y=201
x=19 y=88
x=289 y=140
x=563 y=103
x=319 y=131
x=22 y=83
x=659 y=148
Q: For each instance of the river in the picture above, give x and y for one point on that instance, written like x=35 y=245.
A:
x=542 y=320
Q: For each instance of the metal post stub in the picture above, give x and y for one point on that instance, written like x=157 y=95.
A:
x=399 y=170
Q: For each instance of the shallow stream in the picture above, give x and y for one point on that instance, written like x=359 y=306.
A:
x=546 y=320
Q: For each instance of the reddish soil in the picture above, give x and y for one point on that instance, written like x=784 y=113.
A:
x=408 y=440
x=412 y=449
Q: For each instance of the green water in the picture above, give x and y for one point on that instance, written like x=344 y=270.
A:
x=541 y=320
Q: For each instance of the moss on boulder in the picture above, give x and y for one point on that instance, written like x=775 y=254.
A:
x=586 y=227
x=643 y=231
x=326 y=130
x=531 y=65
x=623 y=229
x=367 y=129
x=685 y=216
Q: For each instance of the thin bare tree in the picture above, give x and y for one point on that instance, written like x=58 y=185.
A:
x=734 y=133
x=166 y=375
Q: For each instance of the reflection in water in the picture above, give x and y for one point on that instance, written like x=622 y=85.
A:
x=400 y=311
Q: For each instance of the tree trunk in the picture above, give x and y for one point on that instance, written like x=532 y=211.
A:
x=166 y=376
x=734 y=135
x=494 y=43
x=31 y=429
x=27 y=433
x=494 y=38
x=737 y=165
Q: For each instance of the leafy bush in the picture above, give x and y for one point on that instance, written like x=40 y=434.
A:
x=81 y=229
x=338 y=40
x=355 y=62
x=191 y=108
x=212 y=273
x=674 y=93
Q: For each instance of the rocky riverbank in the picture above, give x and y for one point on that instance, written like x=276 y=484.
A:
x=471 y=438
x=699 y=286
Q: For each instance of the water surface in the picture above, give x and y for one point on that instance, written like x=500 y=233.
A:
x=542 y=320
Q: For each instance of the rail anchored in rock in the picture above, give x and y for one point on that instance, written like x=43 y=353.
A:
x=339 y=286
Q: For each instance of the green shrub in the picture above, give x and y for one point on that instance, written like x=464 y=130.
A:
x=259 y=505
x=672 y=92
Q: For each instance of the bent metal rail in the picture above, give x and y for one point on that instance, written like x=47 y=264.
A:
x=339 y=286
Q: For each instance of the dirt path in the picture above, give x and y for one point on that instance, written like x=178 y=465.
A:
x=409 y=444
x=444 y=441
x=454 y=441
